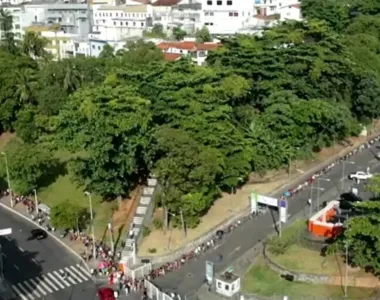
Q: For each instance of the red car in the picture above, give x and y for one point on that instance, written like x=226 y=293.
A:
x=106 y=293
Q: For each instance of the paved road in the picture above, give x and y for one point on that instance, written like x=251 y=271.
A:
x=191 y=276
x=33 y=268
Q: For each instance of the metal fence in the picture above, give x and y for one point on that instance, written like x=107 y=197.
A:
x=154 y=292
x=139 y=272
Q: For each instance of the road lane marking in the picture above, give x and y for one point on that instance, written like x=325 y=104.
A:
x=33 y=290
x=62 y=279
x=25 y=291
x=3 y=255
x=19 y=293
x=79 y=273
x=46 y=287
x=69 y=277
x=17 y=268
x=8 y=238
x=34 y=261
x=84 y=270
x=235 y=250
x=22 y=250
x=56 y=280
x=37 y=286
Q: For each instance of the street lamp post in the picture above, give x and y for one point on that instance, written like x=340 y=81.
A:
x=8 y=178
x=92 y=224
x=312 y=187
x=35 y=199
x=343 y=172
x=319 y=189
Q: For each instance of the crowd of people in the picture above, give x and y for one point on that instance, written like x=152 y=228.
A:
x=108 y=260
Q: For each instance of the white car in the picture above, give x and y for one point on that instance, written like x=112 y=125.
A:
x=360 y=175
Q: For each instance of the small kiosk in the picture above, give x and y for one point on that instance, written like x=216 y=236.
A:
x=227 y=284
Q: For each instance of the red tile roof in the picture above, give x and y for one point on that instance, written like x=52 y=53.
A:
x=171 y=56
x=297 y=5
x=190 y=46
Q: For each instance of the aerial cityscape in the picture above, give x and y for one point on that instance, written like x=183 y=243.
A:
x=189 y=149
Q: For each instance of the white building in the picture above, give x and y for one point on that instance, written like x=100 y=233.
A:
x=290 y=12
x=227 y=16
x=20 y=18
x=114 y=23
x=196 y=51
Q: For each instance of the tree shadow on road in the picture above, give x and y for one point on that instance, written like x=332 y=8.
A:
x=18 y=264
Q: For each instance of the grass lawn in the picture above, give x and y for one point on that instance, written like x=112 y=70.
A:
x=261 y=280
x=298 y=258
x=63 y=189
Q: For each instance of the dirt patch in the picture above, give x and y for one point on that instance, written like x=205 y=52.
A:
x=5 y=139
x=229 y=204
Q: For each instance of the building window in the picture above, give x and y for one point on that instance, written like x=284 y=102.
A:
x=114 y=23
x=209 y=2
x=219 y=285
x=206 y=13
x=96 y=15
x=98 y=47
x=219 y=2
x=229 y=2
x=236 y=14
x=121 y=23
x=126 y=23
x=93 y=46
x=117 y=14
x=211 y=13
x=272 y=8
x=231 y=14
x=142 y=24
x=110 y=15
x=104 y=21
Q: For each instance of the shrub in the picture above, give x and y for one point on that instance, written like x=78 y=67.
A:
x=279 y=246
x=157 y=223
x=152 y=250
x=146 y=231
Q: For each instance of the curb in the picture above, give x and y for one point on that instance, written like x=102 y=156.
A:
x=49 y=233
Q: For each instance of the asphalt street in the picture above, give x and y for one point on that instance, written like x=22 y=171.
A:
x=33 y=267
x=191 y=276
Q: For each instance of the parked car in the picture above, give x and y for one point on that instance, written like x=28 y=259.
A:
x=360 y=175
x=39 y=234
x=106 y=293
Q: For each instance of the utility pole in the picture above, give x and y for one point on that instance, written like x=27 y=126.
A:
x=320 y=189
x=35 y=199
x=8 y=178
x=343 y=172
x=183 y=223
x=92 y=225
x=110 y=228
x=346 y=271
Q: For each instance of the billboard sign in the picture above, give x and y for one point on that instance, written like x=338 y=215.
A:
x=209 y=272
x=283 y=210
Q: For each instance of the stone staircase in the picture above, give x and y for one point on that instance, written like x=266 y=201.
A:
x=142 y=215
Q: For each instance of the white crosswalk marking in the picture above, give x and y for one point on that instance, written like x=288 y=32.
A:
x=31 y=289
x=54 y=281
x=83 y=270
x=79 y=273
x=72 y=274
x=42 y=280
x=37 y=286
x=62 y=279
x=19 y=293
x=25 y=292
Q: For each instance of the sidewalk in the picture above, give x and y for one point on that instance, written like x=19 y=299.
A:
x=77 y=246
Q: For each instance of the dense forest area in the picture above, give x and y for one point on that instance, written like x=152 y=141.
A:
x=261 y=102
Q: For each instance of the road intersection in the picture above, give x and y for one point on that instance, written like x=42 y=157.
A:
x=191 y=276
x=32 y=268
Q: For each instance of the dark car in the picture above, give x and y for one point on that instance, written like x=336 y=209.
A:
x=39 y=234
x=106 y=293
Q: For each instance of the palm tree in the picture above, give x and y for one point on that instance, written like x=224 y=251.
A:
x=7 y=36
x=72 y=80
x=33 y=45
x=26 y=82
